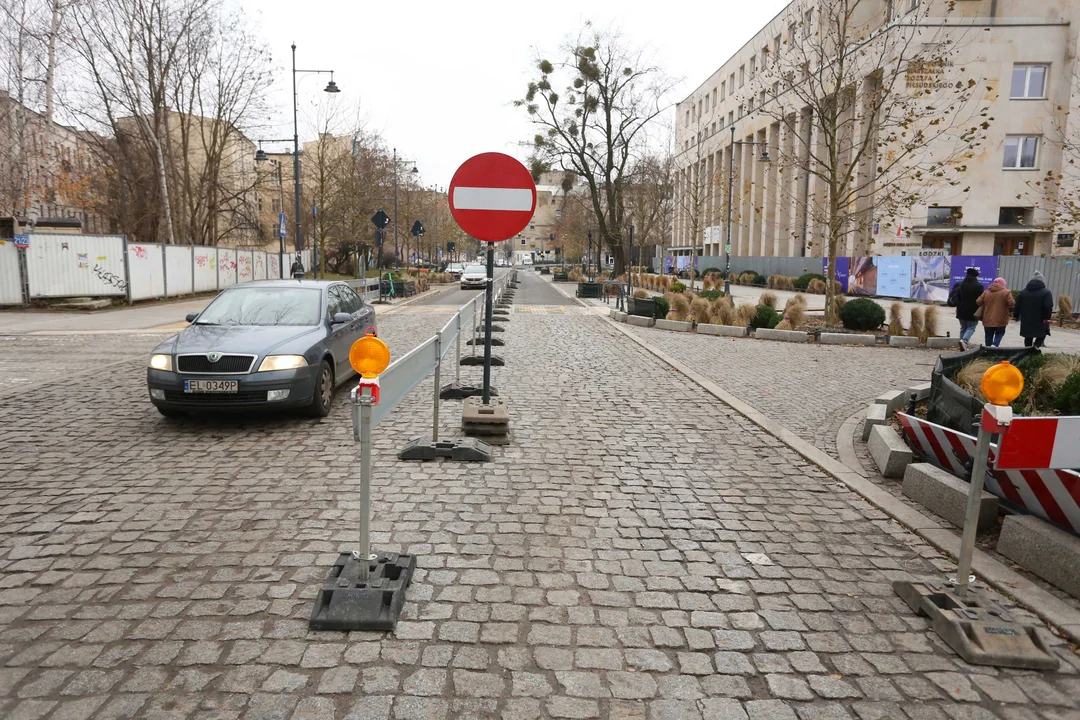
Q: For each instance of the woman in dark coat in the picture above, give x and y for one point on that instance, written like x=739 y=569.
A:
x=1034 y=310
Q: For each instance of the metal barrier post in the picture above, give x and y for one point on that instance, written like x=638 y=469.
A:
x=362 y=429
x=457 y=351
x=438 y=372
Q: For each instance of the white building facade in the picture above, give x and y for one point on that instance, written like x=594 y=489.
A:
x=1010 y=193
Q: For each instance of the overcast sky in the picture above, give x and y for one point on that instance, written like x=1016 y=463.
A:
x=437 y=79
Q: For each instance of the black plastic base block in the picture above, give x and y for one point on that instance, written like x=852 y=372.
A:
x=495 y=342
x=346 y=603
x=464 y=450
x=976 y=627
x=496 y=361
x=455 y=391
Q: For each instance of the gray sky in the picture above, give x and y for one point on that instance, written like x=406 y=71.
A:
x=437 y=79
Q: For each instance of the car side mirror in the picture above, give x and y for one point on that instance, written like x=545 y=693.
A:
x=191 y=317
x=342 y=318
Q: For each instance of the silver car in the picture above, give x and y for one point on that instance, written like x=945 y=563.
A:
x=474 y=276
x=267 y=344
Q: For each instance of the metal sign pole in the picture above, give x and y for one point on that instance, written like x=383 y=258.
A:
x=490 y=291
x=362 y=418
x=971 y=517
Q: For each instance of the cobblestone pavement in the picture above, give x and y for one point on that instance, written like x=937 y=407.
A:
x=639 y=551
x=31 y=359
x=809 y=388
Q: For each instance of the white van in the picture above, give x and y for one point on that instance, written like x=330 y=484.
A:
x=527 y=260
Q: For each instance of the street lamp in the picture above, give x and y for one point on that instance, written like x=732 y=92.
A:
x=261 y=156
x=414 y=171
x=332 y=88
x=731 y=189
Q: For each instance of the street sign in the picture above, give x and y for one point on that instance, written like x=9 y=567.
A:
x=417 y=229
x=492 y=197
x=380 y=219
x=22 y=241
x=450 y=246
x=281 y=224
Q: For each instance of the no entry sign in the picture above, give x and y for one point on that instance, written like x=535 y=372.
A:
x=492 y=197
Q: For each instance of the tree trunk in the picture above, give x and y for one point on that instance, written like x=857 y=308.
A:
x=50 y=68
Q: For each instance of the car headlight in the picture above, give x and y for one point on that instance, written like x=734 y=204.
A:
x=161 y=362
x=281 y=362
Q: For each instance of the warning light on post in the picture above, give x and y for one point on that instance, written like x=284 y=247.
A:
x=369 y=356
x=1002 y=383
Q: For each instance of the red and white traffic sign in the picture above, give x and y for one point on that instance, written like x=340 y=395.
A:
x=1047 y=442
x=492 y=197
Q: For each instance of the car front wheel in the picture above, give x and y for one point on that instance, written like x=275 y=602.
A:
x=323 y=395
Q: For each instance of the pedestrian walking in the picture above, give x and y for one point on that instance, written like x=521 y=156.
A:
x=965 y=298
x=996 y=305
x=297 y=270
x=1034 y=310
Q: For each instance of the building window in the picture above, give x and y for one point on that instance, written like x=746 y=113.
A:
x=936 y=216
x=776 y=45
x=808 y=20
x=687 y=118
x=1028 y=82
x=522 y=241
x=1021 y=152
x=706 y=103
x=776 y=89
x=731 y=117
x=750 y=105
x=532 y=226
x=713 y=129
x=761 y=100
x=1015 y=216
x=764 y=58
x=275 y=205
x=742 y=75
x=753 y=66
x=558 y=213
x=741 y=113
x=723 y=89
x=912 y=4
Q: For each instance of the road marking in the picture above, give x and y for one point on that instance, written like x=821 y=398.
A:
x=480 y=198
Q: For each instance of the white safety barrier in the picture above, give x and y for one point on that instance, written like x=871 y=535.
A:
x=146 y=268
x=59 y=265
x=11 y=291
x=179 y=275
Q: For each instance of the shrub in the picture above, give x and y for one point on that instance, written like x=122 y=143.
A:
x=662 y=307
x=765 y=317
x=650 y=270
x=769 y=299
x=803 y=281
x=711 y=271
x=746 y=278
x=1067 y=399
x=700 y=309
x=816 y=286
x=680 y=307
x=639 y=293
x=745 y=314
x=916 y=327
x=862 y=314
x=677 y=287
x=896 y=324
x=930 y=321
x=711 y=295
x=760 y=280
x=723 y=312
x=1015 y=294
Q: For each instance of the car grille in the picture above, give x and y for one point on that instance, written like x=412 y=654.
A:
x=226 y=364
x=237 y=398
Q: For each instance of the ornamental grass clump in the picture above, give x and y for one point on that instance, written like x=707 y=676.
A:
x=915 y=324
x=768 y=299
x=700 y=309
x=680 y=306
x=816 y=286
x=930 y=321
x=641 y=294
x=969 y=377
x=745 y=314
x=1065 y=308
x=723 y=312
x=896 y=324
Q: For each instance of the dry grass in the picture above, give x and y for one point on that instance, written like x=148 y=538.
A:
x=896 y=322
x=781 y=282
x=970 y=376
x=746 y=313
x=798 y=299
x=679 y=306
x=747 y=278
x=575 y=275
x=701 y=310
x=707 y=283
x=639 y=293
x=769 y=299
x=1050 y=376
x=816 y=286
x=665 y=283
x=1065 y=308
x=838 y=302
x=723 y=312
x=916 y=328
x=794 y=316
x=930 y=321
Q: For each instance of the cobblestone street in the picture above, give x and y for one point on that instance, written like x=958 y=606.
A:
x=639 y=551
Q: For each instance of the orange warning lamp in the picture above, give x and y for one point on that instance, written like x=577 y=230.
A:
x=1002 y=383
x=369 y=356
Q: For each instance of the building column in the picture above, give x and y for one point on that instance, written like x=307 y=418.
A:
x=784 y=171
x=865 y=172
x=745 y=184
x=769 y=243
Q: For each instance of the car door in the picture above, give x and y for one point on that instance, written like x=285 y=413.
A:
x=339 y=334
x=364 y=313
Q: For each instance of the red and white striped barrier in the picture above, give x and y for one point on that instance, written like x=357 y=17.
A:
x=1052 y=494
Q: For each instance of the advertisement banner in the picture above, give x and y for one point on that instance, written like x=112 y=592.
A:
x=841 y=267
x=987 y=265
x=862 y=276
x=893 y=276
x=930 y=278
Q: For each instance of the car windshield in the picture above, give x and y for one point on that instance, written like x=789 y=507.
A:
x=264 y=306
x=476 y=270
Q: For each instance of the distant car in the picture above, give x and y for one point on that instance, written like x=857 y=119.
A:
x=474 y=276
x=527 y=260
x=455 y=269
x=262 y=345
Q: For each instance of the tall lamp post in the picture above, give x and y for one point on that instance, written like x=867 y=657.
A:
x=414 y=171
x=261 y=156
x=730 y=191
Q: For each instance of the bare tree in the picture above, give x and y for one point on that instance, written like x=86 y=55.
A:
x=651 y=197
x=596 y=126
x=876 y=109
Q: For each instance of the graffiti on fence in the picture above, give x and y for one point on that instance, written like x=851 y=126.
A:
x=109 y=278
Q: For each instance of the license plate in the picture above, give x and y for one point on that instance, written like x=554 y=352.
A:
x=211 y=386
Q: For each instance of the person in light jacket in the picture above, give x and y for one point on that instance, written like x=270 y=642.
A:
x=1034 y=310
x=996 y=303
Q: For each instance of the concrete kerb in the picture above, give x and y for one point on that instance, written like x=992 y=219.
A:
x=1043 y=604
x=997 y=575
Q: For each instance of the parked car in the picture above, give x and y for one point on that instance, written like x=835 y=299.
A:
x=527 y=260
x=474 y=276
x=455 y=269
x=262 y=345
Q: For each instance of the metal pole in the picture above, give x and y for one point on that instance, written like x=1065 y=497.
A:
x=971 y=517
x=281 y=209
x=396 y=258
x=296 y=156
x=362 y=410
x=730 y=190
x=490 y=291
x=457 y=350
x=438 y=373
x=475 y=324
